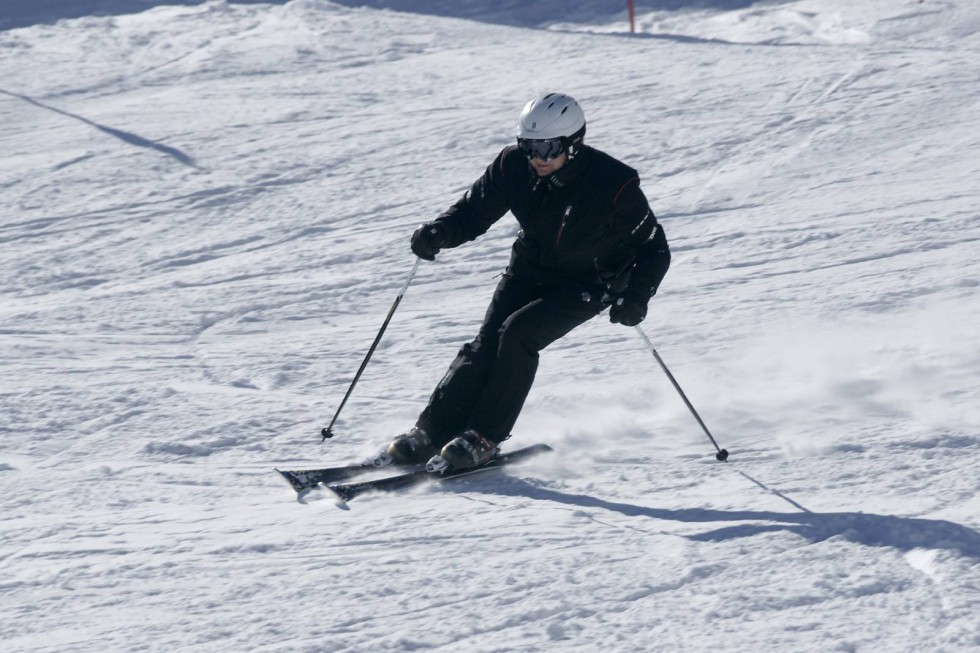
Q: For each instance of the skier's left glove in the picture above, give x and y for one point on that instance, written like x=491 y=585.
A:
x=630 y=308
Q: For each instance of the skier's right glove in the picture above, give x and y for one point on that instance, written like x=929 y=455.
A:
x=428 y=240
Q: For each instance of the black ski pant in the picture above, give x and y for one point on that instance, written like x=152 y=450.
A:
x=487 y=384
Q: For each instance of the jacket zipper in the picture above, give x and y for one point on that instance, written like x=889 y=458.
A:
x=561 y=228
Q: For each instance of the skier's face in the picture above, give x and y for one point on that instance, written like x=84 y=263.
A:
x=544 y=168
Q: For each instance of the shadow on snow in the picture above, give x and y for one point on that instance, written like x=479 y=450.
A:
x=903 y=533
x=24 y=13
x=521 y=13
x=126 y=137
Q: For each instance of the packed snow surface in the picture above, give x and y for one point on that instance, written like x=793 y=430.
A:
x=204 y=218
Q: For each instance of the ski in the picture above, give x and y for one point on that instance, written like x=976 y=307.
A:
x=302 y=480
x=347 y=491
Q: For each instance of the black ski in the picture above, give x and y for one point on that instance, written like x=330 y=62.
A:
x=348 y=491
x=307 y=479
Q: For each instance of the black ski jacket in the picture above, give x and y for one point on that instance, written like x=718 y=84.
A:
x=589 y=223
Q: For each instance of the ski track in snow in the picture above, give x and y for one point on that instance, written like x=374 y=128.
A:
x=205 y=217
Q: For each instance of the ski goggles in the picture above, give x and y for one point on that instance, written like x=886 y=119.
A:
x=544 y=149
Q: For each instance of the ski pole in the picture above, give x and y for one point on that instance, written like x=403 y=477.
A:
x=722 y=454
x=328 y=432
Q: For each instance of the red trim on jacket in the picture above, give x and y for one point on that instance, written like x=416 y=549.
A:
x=616 y=199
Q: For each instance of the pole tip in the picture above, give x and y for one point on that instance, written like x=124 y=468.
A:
x=722 y=455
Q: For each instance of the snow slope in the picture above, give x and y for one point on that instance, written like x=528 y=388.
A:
x=204 y=217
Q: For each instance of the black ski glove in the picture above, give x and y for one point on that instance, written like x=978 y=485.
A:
x=428 y=240
x=630 y=308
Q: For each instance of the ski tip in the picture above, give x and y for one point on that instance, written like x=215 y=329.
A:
x=293 y=482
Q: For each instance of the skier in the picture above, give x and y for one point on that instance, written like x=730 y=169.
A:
x=588 y=240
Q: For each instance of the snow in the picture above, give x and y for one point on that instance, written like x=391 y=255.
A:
x=205 y=218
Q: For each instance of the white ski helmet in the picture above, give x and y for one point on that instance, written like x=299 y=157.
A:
x=554 y=116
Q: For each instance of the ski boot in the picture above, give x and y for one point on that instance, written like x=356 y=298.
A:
x=409 y=448
x=469 y=449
